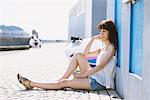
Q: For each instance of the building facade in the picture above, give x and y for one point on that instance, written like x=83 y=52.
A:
x=84 y=17
x=131 y=18
x=133 y=71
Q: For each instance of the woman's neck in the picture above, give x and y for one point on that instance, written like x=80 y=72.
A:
x=107 y=43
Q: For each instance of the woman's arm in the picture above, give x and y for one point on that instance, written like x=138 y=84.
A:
x=103 y=63
x=93 y=54
x=87 y=48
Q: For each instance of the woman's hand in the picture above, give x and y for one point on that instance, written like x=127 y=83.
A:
x=98 y=37
x=78 y=75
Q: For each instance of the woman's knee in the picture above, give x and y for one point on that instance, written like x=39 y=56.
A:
x=78 y=55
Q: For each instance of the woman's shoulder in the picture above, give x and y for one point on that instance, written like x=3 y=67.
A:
x=111 y=49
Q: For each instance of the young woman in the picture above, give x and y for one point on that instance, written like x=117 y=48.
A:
x=91 y=78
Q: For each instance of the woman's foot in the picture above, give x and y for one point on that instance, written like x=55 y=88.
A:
x=25 y=82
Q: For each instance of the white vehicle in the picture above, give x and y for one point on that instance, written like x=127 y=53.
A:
x=35 y=42
x=78 y=45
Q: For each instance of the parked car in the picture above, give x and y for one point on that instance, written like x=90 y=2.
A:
x=13 y=37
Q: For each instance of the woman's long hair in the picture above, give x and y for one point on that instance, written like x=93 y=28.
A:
x=113 y=34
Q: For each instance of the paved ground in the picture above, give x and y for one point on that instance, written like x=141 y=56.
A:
x=44 y=64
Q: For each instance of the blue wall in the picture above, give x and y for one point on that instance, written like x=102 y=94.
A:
x=118 y=25
x=136 y=39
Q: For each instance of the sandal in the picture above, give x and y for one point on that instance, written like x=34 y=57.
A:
x=25 y=82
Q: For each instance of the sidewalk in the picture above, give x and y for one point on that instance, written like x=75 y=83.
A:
x=45 y=64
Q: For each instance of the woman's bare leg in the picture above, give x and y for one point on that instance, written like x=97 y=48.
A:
x=79 y=83
x=77 y=60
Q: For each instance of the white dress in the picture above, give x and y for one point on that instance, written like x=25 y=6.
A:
x=106 y=75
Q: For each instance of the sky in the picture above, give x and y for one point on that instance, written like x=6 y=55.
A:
x=48 y=17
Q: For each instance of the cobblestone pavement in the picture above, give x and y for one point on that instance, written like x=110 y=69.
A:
x=44 y=64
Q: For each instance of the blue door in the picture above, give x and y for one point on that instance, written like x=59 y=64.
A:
x=136 y=36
